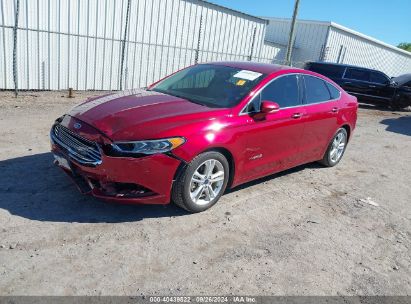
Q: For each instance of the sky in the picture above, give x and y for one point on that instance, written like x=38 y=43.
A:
x=389 y=21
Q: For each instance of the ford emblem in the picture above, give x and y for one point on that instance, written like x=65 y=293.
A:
x=77 y=125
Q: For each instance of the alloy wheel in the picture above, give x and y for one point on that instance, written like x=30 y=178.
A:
x=338 y=146
x=207 y=182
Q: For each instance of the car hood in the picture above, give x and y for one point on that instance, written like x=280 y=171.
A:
x=400 y=80
x=140 y=114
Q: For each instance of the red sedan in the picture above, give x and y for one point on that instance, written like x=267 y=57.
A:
x=201 y=130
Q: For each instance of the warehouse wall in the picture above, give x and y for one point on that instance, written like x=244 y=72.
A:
x=273 y=53
x=346 y=46
x=331 y=42
x=77 y=43
x=309 y=38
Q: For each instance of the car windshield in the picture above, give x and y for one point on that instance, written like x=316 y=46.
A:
x=210 y=85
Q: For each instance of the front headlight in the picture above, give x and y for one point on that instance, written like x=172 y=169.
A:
x=148 y=146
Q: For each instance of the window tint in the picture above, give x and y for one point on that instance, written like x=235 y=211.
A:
x=332 y=71
x=283 y=91
x=316 y=90
x=335 y=93
x=378 y=78
x=357 y=74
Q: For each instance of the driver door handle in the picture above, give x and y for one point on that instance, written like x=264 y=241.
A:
x=297 y=115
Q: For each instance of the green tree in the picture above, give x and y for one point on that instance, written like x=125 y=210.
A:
x=405 y=46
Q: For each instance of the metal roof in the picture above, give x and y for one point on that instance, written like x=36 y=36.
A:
x=345 y=29
x=348 y=30
x=217 y=6
x=317 y=22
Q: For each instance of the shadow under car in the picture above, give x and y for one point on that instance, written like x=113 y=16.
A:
x=33 y=188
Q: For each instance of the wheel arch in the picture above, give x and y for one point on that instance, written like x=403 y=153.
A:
x=227 y=154
x=230 y=159
x=348 y=129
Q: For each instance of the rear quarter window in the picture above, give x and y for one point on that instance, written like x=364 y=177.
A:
x=334 y=92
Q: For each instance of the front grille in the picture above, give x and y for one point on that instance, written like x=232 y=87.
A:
x=78 y=148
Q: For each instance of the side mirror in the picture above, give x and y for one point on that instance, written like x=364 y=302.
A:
x=269 y=107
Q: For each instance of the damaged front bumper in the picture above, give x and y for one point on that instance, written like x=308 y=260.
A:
x=143 y=180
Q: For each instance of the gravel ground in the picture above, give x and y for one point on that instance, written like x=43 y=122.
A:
x=308 y=231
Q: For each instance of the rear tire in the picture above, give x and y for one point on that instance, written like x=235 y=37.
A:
x=202 y=183
x=336 y=148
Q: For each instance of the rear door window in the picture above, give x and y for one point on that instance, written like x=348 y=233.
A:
x=316 y=90
x=379 y=78
x=357 y=74
x=283 y=91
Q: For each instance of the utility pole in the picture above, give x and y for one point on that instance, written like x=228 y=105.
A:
x=15 y=28
x=123 y=46
x=291 y=37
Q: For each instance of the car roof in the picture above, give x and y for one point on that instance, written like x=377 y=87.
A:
x=343 y=65
x=264 y=68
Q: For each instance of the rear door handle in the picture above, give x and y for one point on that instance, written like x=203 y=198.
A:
x=296 y=115
x=372 y=86
x=334 y=110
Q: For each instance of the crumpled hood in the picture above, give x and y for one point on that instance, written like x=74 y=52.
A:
x=139 y=114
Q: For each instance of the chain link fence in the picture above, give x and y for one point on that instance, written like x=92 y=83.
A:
x=120 y=44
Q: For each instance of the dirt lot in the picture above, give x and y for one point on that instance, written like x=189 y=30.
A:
x=307 y=231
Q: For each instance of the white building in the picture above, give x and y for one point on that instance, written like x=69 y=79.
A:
x=114 y=44
x=331 y=42
x=120 y=44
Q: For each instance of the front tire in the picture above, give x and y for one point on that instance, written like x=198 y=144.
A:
x=202 y=183
x=399 y=104
x=336 y=148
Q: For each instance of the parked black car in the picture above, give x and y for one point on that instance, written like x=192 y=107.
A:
x=366 y=84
